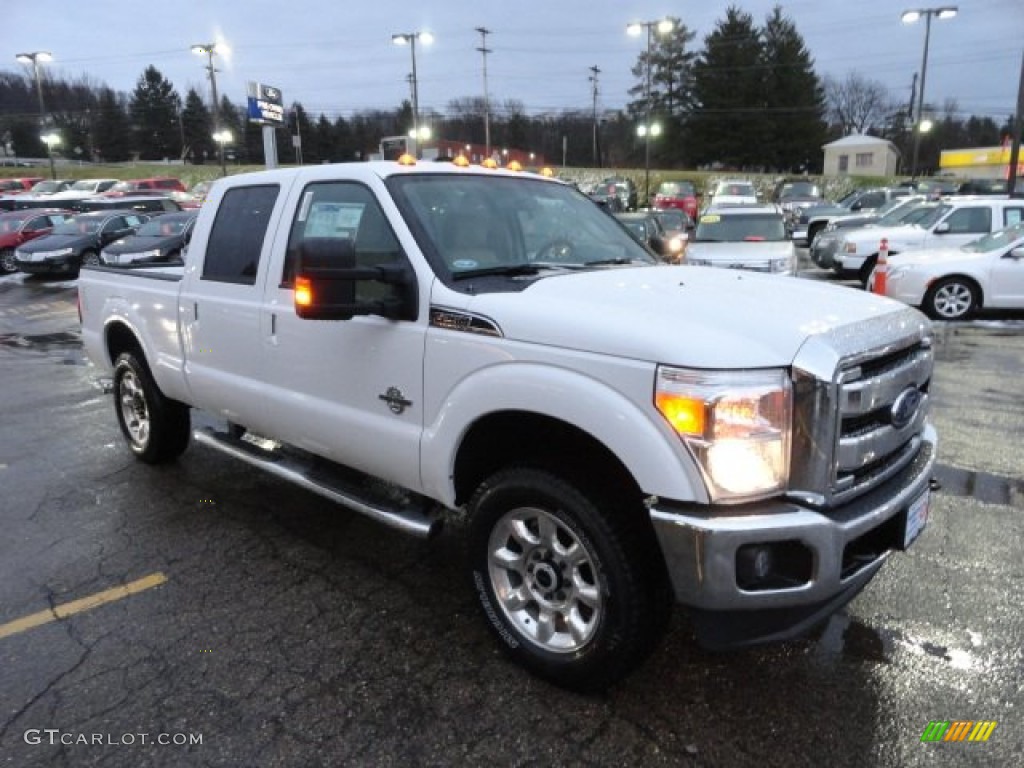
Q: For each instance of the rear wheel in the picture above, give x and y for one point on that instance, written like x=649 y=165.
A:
x=7 y=265
x=156 y=428
x=953 y=298
x=570 y=589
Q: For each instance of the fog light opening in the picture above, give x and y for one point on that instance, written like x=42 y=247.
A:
x=773 y=565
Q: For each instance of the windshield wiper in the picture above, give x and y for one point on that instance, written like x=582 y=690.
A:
x=508 y=270
x=606 y=262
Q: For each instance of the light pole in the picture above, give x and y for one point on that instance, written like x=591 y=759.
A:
x=209 y=50
x=909 y=17
x=34 y=58
x=410 y=38
x=664 y=26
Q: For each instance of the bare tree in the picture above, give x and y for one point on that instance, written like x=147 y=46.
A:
x=857 y=104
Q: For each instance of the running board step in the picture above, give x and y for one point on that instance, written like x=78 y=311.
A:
x=328 y=480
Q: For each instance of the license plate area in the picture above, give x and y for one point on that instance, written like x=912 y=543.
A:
x=916 y=518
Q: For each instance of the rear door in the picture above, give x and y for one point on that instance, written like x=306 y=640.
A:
x=219 y=305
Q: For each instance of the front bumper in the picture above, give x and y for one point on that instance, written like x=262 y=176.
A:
x=846 y=545
x=823 y=250
x=61 y=264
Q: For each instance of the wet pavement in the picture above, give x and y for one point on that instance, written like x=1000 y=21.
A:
x=283 y=631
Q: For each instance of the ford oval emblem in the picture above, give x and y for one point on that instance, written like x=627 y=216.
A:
x=905 y=408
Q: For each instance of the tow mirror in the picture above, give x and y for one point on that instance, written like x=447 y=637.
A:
x=326 y=280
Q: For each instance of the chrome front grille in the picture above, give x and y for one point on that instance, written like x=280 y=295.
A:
x=859 y=414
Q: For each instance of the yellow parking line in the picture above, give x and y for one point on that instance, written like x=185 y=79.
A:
x=82 y=604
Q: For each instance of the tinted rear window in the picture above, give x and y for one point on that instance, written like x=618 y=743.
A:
x=236 y=239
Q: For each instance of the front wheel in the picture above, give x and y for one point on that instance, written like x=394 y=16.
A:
x=156 y=428
x=951 y=299
x=91 y=258
x=569 y=589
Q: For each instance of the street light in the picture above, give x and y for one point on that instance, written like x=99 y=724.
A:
x=410 y=38
x=34 y=58
x=209 y=50
x=663 y=26
x=909 y=17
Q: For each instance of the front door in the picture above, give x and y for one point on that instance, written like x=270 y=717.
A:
x=349 y=390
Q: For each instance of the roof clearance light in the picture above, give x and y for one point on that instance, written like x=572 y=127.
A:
x=489 y=162
x=462 y=161
x=303 y=292
x=546 y=172
x=514 y=165
x=406 y=159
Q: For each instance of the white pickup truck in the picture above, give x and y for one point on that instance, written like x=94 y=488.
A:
x=422 y=341
x=955 y=221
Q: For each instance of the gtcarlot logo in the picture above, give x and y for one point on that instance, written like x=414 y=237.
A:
x=70 y=738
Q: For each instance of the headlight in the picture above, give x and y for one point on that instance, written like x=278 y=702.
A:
x=737 y=425
x=675 y=245
x=849 y=247
x=55 y=254
x=154 y=254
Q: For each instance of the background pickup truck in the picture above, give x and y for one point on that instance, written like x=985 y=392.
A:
x=953 y=222
x=426 y=342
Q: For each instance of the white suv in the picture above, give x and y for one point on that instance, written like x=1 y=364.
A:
x=954 y=222
x=743 y=237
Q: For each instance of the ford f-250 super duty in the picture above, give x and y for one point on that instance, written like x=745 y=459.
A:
x=418 y=340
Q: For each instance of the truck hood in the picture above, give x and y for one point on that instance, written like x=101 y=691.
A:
x=700 y=317
x=898 y=237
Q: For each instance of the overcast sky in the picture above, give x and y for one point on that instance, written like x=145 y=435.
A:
x=336 y=56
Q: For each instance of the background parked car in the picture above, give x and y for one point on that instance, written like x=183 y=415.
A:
x=646 y=227
x=50 y=186
x=743 y=237
x=76 y=241
x=617 y=194
x=901 y=210
x=153 y=205
x=734 y=191
x=677 y=194
x=159 y=240
x=136 y=186
x=18 y=227
x=953 y=283
x=815 y=218
x=19 y=186
x=84 y=188
x=793 y=195
x=677 y=226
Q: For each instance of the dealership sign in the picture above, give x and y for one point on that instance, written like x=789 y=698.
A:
x=265 y=104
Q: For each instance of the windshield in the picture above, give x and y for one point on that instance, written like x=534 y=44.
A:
x=502 y=224
x=77 y=227
x=895 y=211
x=933 y=216
x=754 y=227
x=123 y=186
x=676 y=189
x=161 y=227
x=800 y=189
x=737 y=189
x=83 y=185
x=47 y=187
x=1004 y=238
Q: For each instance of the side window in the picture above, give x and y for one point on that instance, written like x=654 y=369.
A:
x=1012 y=216
x=114 y=224
x=348 y=213
x=36 y=224
x=236 y=238
x=970 y=221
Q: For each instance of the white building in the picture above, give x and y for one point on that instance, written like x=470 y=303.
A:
x=861 y=155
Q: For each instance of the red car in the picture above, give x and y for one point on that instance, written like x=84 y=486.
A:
x=17 y=227
x=677 y=194
x=157 y=185
x=18 y=186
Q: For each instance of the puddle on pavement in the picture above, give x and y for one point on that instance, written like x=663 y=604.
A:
x=41 y=341
x=982 y=486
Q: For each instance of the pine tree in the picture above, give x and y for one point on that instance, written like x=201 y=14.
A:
x=112 y=137
x=197 y=125
x=154 y=108
x=728 y=91
x=793 y=129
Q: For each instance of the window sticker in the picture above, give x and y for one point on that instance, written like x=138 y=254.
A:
x=333 y=220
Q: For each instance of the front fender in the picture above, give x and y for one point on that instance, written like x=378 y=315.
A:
x=642 y=441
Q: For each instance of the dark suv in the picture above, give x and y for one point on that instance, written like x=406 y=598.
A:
x=617 y=194
x=76 y=241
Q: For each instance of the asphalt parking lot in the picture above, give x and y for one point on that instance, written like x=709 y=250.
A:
x=204 y=614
